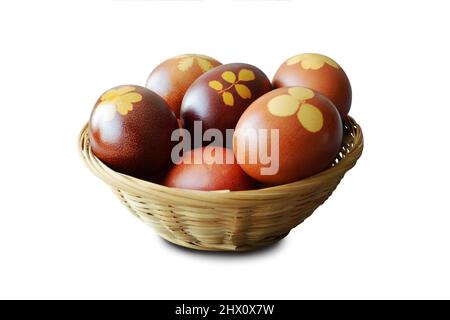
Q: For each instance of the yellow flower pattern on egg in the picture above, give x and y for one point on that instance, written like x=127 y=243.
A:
x=187 y=61
x=118 y=100
x=232 y=80
x=313 y=61
x=309 y=116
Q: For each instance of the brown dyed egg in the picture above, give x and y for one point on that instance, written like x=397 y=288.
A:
x=130 y=130
x=219 y=97
x=173 y=77
x=307 y=140
x=208 y=169
x=320 y=73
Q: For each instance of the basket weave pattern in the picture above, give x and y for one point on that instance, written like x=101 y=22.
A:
x=224 y=220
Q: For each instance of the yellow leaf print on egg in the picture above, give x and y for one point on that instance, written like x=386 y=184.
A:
x=186 y=61
x=243 y=91
x=204 y=64
x=301 y=93
x=216 y=85
x=185 y=64
x=121 y=98
x=310 y=117
x=312 y=61
x=229 y=77
x=228 y=98
x=285 y=105
x=246 y=75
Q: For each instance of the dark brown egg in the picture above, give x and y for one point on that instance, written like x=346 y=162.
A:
x=288 y=134
x=130 y=130
x=320 y=73
x=206 y=173
x=173 y=77
x=219 y=97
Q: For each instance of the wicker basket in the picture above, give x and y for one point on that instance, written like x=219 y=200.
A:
x=227 y=220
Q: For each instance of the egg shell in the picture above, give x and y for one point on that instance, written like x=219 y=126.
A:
x=204 y=176
x=173 y=77
x=219 y=97
x=130 y=131
x=310 y=134
x=320 y=73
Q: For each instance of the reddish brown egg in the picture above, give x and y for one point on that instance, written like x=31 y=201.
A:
x=180 y=123
x=320 y=73
x=307 y=138
x=208 y=168
x=130 y=130
x=173 y=77
x=219 y=97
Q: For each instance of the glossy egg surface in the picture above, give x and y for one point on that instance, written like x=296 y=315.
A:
x=299 y=129
x=219 y=97
x=320 y=73
x=130 y=130
x=172 y=78
x=206 y=175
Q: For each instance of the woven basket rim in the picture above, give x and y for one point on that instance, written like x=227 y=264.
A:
x=138 y=186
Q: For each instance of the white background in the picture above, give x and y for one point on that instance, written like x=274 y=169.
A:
x=385 y=232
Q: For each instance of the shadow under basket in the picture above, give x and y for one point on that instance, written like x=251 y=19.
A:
x=227 y=220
